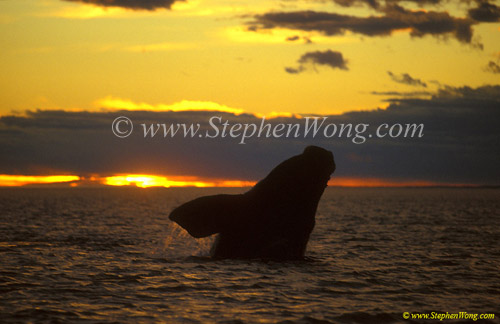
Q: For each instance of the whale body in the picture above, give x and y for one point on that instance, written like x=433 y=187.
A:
x=273 y=220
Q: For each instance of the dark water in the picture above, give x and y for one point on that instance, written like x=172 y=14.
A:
x=111 y=255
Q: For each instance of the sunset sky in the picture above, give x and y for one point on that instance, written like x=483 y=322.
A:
x=82 y=63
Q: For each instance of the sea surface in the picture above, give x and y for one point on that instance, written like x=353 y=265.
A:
x=110 y=255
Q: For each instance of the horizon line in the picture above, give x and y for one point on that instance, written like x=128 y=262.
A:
x=144 y=181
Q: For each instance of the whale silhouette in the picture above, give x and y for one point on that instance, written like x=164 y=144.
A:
x=273 y=220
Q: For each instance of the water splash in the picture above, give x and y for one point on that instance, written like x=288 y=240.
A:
x=177 y=243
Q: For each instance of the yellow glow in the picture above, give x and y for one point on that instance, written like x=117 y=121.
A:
x=184 y=105
x=21 y=180
x=88 y=12
x=145 y=181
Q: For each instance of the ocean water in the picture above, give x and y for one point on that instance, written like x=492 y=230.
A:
x=110 y=255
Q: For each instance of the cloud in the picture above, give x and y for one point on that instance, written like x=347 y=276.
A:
x=131 y=4
x=460 y=142
x=405 y=78
x=485 y=12
x=293 y=70
x=332 y=59
x=493 y=67
x=484 y=94
x=420 y=23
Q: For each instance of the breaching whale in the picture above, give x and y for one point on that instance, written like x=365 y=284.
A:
x=273 y=220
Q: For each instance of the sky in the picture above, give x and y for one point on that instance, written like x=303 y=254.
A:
x=70 y=67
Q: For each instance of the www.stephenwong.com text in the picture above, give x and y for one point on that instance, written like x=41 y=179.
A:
x=307 y=127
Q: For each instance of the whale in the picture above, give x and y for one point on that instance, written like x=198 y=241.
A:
x=272 y=220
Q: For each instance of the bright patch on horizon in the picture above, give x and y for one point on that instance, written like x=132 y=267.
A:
x=7 y=180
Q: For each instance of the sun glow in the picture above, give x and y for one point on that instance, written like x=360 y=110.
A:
x=145 y=181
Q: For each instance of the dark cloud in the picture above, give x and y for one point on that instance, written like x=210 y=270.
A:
x=306 y=40
x=411 y=94
x=292 y=38
x=418 y=2
x=293 y=70
x=405 y=78
x=485 y=12
x=375 y=4
x=380 y=4
x=481 y=95
x=350 y=3
x=329 y=58
x=484 y=7
x=460 y=143
x=493 y=67
x=131 y=4
x=421 y=23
